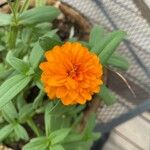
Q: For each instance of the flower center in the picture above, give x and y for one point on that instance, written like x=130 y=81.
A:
x=73 y=72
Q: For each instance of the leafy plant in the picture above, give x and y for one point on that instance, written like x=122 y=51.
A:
x=25 y=112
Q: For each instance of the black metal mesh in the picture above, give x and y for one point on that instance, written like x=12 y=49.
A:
x=125 y=15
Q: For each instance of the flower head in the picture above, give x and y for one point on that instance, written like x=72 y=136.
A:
x=71 y=73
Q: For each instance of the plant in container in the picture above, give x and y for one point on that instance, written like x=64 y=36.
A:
x=53 y=75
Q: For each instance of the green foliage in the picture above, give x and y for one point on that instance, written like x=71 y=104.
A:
x=118 y=61
x=9 y=112
x=26 y=112
x=11 y=87
x=89 y=126
x=57 y=147
x=107 y=96
x=96 y=36
x=40 y=143
x=17 y=64
x=5 y=19
x=36 y=56
x=111 y=46
x=104 y=45
x=58 y=136
x=38 y=15
x=48 y=120
x=39 y=3
x=49 y=40
x=20 y=132
x=5 y=131
x=25 y=35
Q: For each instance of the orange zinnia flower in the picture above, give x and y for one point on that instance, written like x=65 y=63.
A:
x=71 y=73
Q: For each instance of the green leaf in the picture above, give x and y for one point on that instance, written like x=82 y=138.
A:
x=118 y=61
x=48 y=119
x=37 y=81
x=96 y=35
x=107 y=96
x=38 y=15
x=73 y=137
x=20 y=101
x=59 y=135
x=103 y=42
x=5 y=131
x=57 y=147
x=26 y=35
x=20 y=132
x=111 y=47
x=42 y=28
x=5 y=19
x=40 y=3
x=17 y=64
x=39 y=99
x=9 y=112
x=89 y=126
x=1 y=48
x=49 y=40
x=26 y=112
x=6 y=73
x=36 y=55
x=40 y=143
x=11 y=87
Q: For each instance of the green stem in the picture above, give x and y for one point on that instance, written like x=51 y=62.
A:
x=33 y=126
x=16 y=6
x=25 y=6
x=12 y=8
x=12 y=37
x=13 y=28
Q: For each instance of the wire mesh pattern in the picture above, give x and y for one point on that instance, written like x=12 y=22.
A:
x=120 y=14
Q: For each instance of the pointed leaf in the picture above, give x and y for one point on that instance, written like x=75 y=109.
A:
x=111 y=47
x=20 y=132
x=5 y=131
x=118 y=61
x=57 y=147
x=36 y=55
x=96 y=35
x=59 y=135
x=5 y=19
x=49 y=40
x=38 y=15
x=11 y=87
x=99 y=46
x=48 y=120
x=17 y=64
x=39 y=99
x=107 y=96
x=26 y=112
x=89 y=126
x=40 y=143
x=9 y=112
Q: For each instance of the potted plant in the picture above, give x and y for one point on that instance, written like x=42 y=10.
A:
x=53 y=75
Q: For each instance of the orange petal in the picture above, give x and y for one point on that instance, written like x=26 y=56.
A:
x=61 y=92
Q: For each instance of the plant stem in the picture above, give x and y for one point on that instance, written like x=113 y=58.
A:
x=16 y=6
x=13 y=28
x=12 y=8
x=32 y=125
x=12 y=37
x=25 y=6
